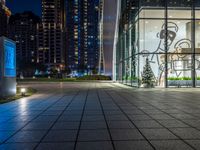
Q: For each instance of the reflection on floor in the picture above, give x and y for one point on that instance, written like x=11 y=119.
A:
x=102 y=116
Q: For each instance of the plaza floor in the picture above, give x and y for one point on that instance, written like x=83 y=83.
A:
x=101 y=116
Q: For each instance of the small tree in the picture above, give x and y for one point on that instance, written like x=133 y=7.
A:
x=148 y=77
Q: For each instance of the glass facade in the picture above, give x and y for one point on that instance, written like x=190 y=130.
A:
x=164 y=32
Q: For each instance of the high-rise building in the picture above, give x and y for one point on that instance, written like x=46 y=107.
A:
x=23 y=30
x=82 y=35
x=92 y=36
x=5 y=13
x=50 y=34
x=101 y=66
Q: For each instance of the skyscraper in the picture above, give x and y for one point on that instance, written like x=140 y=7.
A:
x=5 y=13
x=50 y=34
x=92 y=36
x=82 y=35
x=101 y=66
x=23 y=30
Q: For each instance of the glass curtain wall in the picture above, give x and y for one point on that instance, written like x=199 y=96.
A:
x=166 y=33
x=126 y=64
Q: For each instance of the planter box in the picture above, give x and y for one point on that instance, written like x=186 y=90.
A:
x=182 y=83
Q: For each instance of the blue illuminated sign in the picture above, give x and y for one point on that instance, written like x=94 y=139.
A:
x=9 y=59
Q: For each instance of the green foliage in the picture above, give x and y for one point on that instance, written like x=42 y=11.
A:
x=132 y=78
x=94 y=71
x=148 y=75
x=129 y=78
x=29 y=92
x=45 y=79
x=181 y=78
x=124 y=77
x=94 y=77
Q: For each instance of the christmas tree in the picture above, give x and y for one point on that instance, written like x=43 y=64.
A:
x=148 y=77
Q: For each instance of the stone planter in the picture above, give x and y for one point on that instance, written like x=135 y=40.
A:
x=179 y=83
x=198 y=82
x=182 y=83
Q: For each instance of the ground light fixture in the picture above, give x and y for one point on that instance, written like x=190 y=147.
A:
x=23 y=91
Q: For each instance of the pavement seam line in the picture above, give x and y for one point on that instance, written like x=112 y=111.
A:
x=113 y=145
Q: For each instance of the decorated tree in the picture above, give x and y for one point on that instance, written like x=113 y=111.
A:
x=148 y=77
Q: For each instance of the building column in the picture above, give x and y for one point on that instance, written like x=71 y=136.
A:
x=166 y=45
x=193 y=71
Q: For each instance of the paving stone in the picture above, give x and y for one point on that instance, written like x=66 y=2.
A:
x=93 y=135
x=92 y=113
x=27 y=136
x=105 y=145
x=66 y=126
x=93 y=125
x=45 y=119
x=126 y=134
x=132 y=145
x=147 y=124
x=17 y=146
x=61 y=136
x=172 y=123
x=38 y=126
x=139 y=117
x=93 y=118
x=192 y=122
x=183 y=116
x=171 y=145
x=12 y=126
x=5 y=135
x=155 y=134
x=113 y=112
x=120 y=125
x=56 y=146
x=67 y=118
x=25 y=122
x=194 y=143
x=161 y=117
x=186 y=133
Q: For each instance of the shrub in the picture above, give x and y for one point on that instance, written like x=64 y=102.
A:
x=94 y=77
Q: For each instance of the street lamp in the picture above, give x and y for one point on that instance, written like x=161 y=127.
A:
x=23 y=91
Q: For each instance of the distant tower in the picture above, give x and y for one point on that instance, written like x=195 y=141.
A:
x=5 y=14
x=101 y=66
x=50 y=34
x=82 y=35
x=23 y=30
x=3 y=2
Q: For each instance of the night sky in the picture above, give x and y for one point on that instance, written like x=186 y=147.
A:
x=24 y=5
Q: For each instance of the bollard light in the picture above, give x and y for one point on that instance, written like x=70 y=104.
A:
x=23 y=91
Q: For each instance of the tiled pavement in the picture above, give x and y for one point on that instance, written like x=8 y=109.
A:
x=101 y=116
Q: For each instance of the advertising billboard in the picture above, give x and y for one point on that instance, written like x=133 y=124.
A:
x=9 y=59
